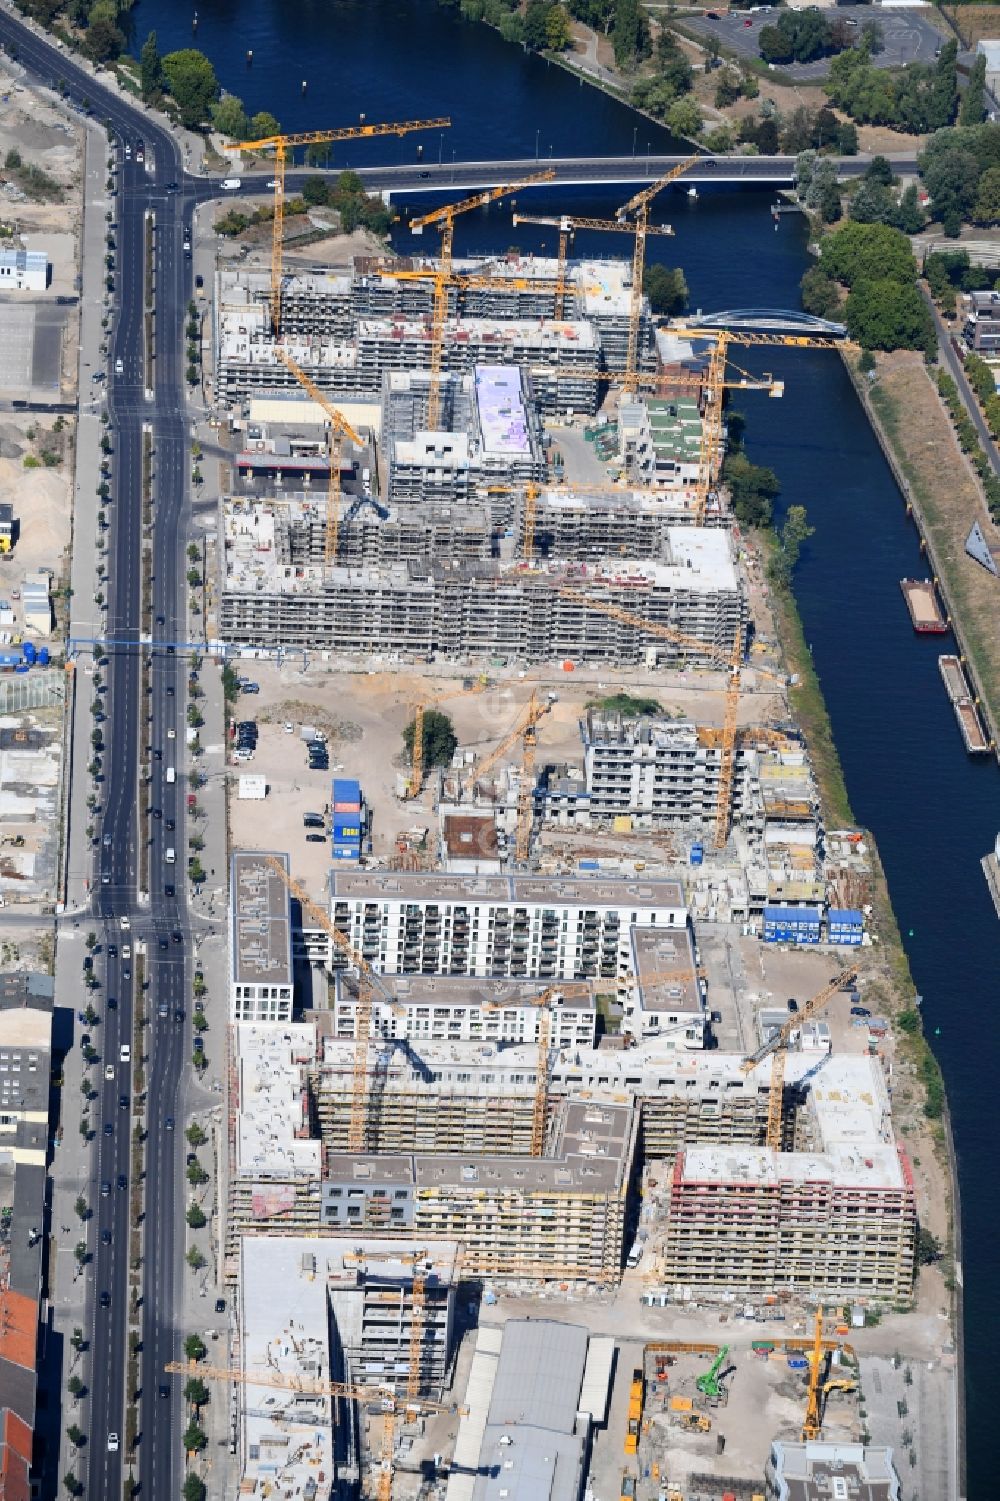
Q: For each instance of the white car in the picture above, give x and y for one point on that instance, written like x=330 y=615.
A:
x=109 y=1071
x=171 y=734
x=112 y=1443
x=125 y=924
x=289 y=727
x=125 y=1053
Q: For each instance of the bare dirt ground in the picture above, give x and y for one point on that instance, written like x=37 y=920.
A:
x=975 y=22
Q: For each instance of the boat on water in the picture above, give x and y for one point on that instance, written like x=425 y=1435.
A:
x=964 y=705
x=922 y=603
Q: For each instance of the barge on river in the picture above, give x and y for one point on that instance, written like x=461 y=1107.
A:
x=922 y=603
x=964 y=704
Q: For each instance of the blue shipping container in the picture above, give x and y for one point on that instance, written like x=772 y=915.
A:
x=346 y=852
x=697 y=854
x=11 y=656
x=346 y=795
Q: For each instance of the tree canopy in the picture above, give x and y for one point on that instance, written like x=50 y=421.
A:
x=666 y=289
x=753 y=489
x=193 y=85
x=439 y=738
x=866 y=252
x=799 y=36
x=918 y=98
x=886 y=314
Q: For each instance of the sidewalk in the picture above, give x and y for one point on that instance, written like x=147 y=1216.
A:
x=86 y=617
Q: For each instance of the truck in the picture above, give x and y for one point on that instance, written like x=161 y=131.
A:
x=171 y=775
x=635 y=1398
x=231 y=184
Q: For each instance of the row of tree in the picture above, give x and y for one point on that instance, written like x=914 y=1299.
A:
x=918 y=98
x=542 y=26
x=961 y=172
x=100 y=22
x=188 y=78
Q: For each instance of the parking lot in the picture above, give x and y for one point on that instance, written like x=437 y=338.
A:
x=908 y=37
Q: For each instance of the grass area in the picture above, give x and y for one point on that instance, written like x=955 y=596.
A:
x=626 y=704
x=809 y=706
x=947 y=498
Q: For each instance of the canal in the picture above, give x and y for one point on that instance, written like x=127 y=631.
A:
x=934 y=811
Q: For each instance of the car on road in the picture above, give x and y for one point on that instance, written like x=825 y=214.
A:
x=125 y=922
x=112 y=1443
x=178 y=1014
x=106 y=841
x=109 y=1129
x=122 y=1181
x=177 y=936
x=105 y=1189
x=220 y=1305
x=126 y=973
x=170 y=826
x=162 y=943
x=109 y=1071
x=168 y=1124
x=164 y=1391
x=112 y=950
x=119 y=366
x=289 y=727
x=157 y=812
x=125 y=1053
x=170 y=690
x=105 y=1300
x=105 y=1237
x=168 y=888
x=112 y=1003
x=123 y=1102
x=171 y=734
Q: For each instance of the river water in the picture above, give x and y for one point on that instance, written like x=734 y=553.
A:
x=934 y=810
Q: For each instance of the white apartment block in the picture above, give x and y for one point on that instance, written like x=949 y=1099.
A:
x=260 y=939
x=495 y=927
x=430 y=1008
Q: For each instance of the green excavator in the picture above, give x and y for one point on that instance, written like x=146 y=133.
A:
x=708 y=1382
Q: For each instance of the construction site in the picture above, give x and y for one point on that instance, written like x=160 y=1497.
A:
x=560 y=1158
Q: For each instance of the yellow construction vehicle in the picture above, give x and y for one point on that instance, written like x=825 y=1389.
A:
x=636 y=1395
x=695 y=1422
x=281 y=145
x=444 y=218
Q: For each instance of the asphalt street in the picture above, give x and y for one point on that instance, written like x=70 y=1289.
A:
x=908 y=37
x=140 y=186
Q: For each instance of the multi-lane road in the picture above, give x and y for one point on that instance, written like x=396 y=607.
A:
x=136 y=720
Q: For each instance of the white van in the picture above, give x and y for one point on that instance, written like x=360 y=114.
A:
x=232 y=184
x=171 y=775
x=170 y=856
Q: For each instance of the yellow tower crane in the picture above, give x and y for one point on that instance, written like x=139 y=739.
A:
x=390 y=1405
x=416 y=781
x=776 y=1049
x=543 y=1003
x=444 y=218
x=567 y=225
x=340 y=429
x=281 y=145
x=732 y=659
x=368 y=982
x=813 y=1426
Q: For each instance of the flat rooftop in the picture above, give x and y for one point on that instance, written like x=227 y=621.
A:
x=261 y=932
x=460 y=990
x=665 y=969
x=561 y=891
x=873 y=1166
x=470 y=836
x=503 y=420
x=818 y=1471
x=286 y=1436
x=272 y=1123
x=592 y=1154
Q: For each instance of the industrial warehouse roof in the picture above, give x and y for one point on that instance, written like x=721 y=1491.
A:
x=539 y=1374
